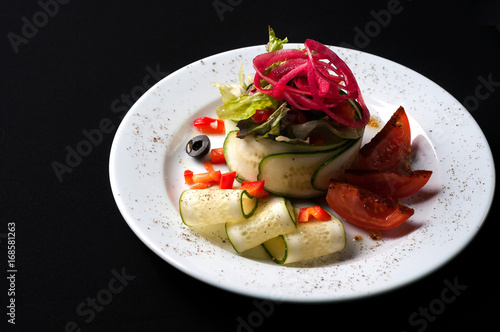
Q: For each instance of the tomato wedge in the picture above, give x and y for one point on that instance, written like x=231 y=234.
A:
x=396 y=184
x=364 y=208
x=254 y=188
x=389 y=148
x=316 y=212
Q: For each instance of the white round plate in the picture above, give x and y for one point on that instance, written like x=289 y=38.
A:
x=147 y=162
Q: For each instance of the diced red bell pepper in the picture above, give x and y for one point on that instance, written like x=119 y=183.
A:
x=206 y=178
x=254 y=188
x=188 y=177
x=208 y=166
x=215 y=175
x=200 y=186
x=315 y=211
x=203 y=179
x=227 y=180
x=209 y=125
x=217 y=156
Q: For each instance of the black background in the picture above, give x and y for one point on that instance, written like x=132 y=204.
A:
x=62 y=78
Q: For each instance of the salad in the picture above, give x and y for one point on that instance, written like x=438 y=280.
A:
x=300 y=119
x=293 y=133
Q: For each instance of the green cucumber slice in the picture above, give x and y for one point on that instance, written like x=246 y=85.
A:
x=215 y=206
x=243 y=155
x=274 y=216
x=310 y=240
x=290 y=174
x=334 y=167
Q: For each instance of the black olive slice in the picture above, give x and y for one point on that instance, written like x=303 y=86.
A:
x=198 y=146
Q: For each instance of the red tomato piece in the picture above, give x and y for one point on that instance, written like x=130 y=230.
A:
x=316 y=140
x=396 y=184
x=345 y=110
x=254 y=188
x=217 y=156
x=296 y=116
x=317 y=212
x=261 y=116
x=209 y=125
x=227 y=180
x=364 y=208
x=390 y=146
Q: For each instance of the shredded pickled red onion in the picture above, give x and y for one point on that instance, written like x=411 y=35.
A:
x=311 y=79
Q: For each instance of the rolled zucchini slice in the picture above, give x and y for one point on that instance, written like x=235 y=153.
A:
x=290 y=174
x=334 y=167
x=215 y=206
x=244 y=155
x=274 y=216
x=310 y=240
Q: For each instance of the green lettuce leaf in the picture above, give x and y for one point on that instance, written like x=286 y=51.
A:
x=325 y=129
x=228 y=91
x=274 y=43
x=244 y=106
x=241 y=77
x=272 y=126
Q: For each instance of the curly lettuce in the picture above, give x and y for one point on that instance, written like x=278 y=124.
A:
x=274 y=43
x=244 y=106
